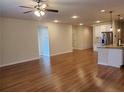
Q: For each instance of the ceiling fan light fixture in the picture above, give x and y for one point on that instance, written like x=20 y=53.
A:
x=42 y=13
x=44 y=6
x=37 y=13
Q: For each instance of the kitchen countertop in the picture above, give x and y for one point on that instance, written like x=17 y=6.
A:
x=112 y=46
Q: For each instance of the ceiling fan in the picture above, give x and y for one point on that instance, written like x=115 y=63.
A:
x=39 y=9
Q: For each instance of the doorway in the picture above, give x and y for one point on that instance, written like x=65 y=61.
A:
x=43 y=40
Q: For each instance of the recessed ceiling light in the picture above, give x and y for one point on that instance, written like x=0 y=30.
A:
x=118 y=30
x=74 y=17
x=81 y=24
x=102 y=11
x=121 y=18
x=56 y=21
x=98 y=21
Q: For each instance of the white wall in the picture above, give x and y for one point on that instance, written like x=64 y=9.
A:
x=1 y=41
x=82 y=37
x=60 y=38
x=20 y=39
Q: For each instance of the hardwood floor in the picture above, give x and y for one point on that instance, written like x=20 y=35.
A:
x=77 y=71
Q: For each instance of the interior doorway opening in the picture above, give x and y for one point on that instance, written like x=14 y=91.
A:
x=43 y=40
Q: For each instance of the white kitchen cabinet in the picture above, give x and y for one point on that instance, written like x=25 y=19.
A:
x=111 y=56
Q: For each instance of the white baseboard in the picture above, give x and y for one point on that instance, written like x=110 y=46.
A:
x=45 y=55
x=108 y=65
x=27 y=60
x=81 y=48
x=101 y=63
x=22 y=61
x=78 y=49
x=61 y=53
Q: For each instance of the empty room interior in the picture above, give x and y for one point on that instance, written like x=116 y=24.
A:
x=61 y=45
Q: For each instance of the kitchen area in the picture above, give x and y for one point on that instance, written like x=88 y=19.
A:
x=108 y=42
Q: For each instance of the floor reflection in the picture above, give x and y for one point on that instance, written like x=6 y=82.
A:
x=45 y=62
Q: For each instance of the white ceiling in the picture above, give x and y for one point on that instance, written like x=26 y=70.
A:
x=87 y=10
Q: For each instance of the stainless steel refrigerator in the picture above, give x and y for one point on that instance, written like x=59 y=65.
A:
x=107 y=38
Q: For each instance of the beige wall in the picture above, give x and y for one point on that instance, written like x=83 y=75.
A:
x=20 y=41
x=1 y=41
x=60 y=38
x=82 y=37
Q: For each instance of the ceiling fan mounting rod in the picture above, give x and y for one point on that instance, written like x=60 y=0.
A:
x=38 y=1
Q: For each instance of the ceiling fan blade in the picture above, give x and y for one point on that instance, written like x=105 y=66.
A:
x=28 y=12
x=52 y=10
x=38 y=1
x=26 y=7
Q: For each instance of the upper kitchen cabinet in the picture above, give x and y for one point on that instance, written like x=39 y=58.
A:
x=97 y=33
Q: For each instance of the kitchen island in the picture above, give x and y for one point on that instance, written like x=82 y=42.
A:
x=111 y=55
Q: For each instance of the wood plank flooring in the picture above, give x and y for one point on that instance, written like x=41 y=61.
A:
x=76 y=71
